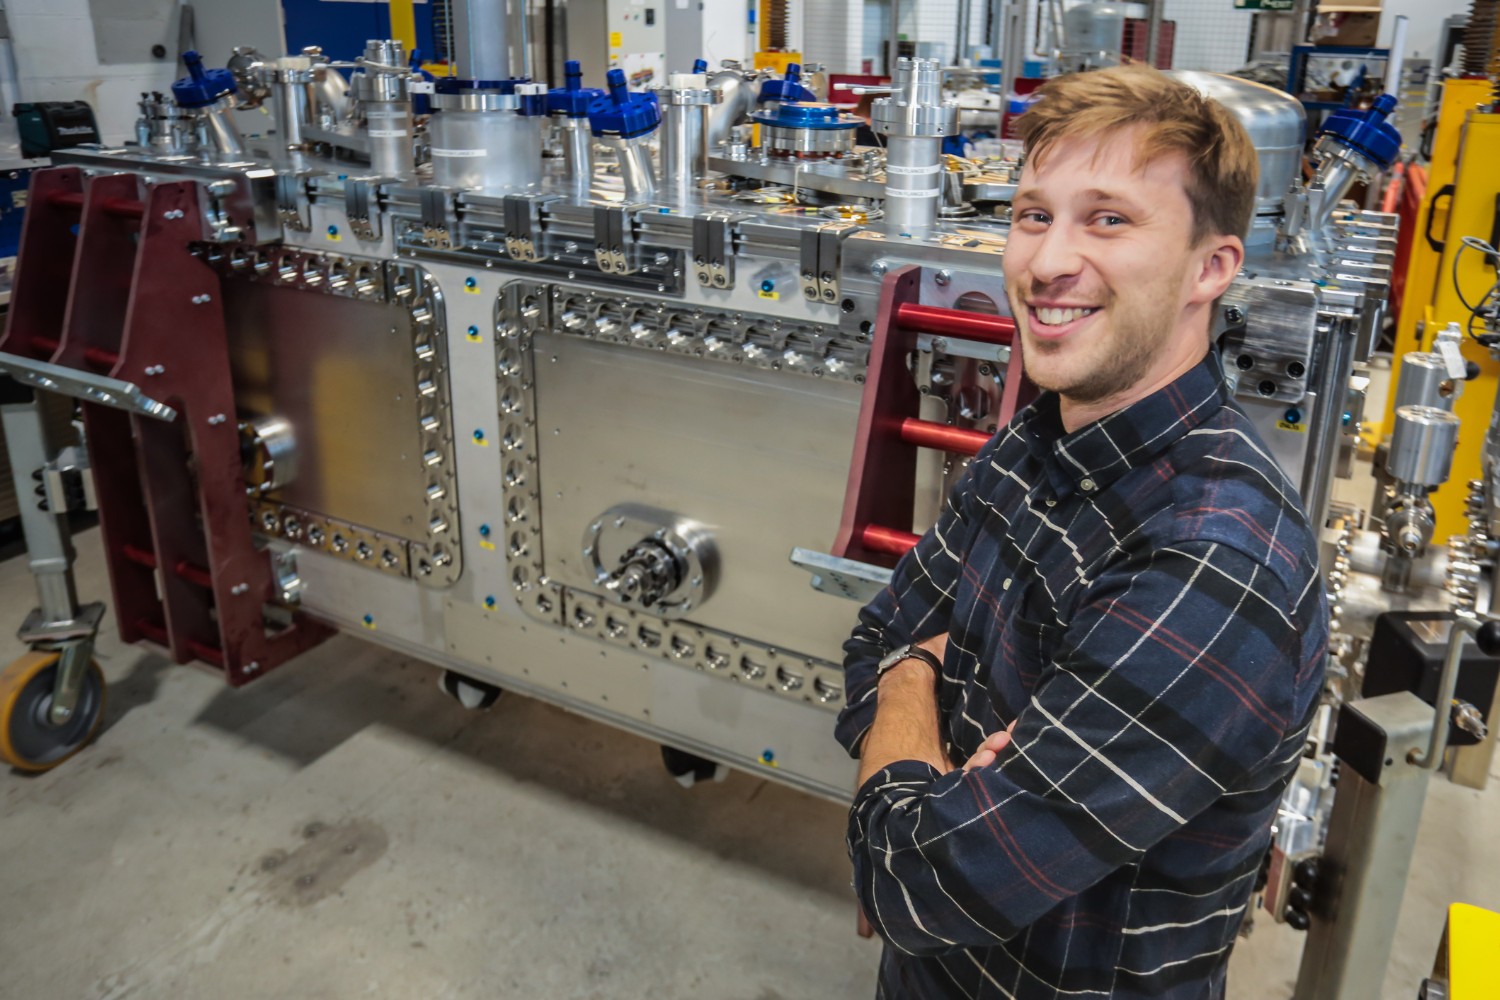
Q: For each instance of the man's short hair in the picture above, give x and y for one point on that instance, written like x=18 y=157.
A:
x=1223 y=170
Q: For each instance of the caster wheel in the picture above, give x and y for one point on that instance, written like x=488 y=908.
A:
x=689 y=769
x=29 y=741
x=469 y=692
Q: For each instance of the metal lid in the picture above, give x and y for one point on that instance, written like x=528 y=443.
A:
x=1367 y=132
x=201 y=87
x=807 y=115
x=621 y=114
x=789 y=88
x=572 y=99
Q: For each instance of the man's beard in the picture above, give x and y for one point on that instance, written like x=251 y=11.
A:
x=1137 y=335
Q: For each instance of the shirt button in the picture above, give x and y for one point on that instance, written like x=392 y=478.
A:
x=1087 y=484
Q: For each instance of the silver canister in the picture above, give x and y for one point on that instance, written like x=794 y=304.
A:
x=1422 y=444
x=685 y=104
x=381 y=88
x=914 y=119
x=1424 y=381
x=481 y=141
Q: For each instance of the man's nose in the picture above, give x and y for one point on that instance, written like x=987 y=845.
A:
x=1056 y=255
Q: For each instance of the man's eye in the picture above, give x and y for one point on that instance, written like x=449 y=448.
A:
x=1113 y=220
x=1033 y=215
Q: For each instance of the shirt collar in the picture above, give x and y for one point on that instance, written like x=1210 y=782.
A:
x=1097 y=454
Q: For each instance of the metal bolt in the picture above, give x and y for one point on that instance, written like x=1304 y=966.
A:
x=939 y=343
x=240 y=588
x=1233 y=315
x=943 y=277
x=216 y=419
x=155 y=369
x=199 y=300
x=250 y=667
x=879 y=268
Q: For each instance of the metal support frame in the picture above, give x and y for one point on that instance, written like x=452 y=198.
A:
x=142 y=307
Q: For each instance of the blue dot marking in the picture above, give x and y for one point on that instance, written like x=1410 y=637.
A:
x=489 y=602
x=768 y=285
x=478 y=434
x=768 y=755
x=333 y=230
x=369 y=619
x=470 y=283
x=473 y=331
x=1294 y=416
x=484 y=531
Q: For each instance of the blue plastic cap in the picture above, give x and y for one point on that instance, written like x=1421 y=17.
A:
x=621 y=114
x=787 y=89
x=573 y=99
x=700 y=65
x=1367 y=132
x=201 y=87
x=459 y=85
x=801 y=114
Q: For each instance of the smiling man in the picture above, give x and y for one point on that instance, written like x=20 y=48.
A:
x=1116 y=627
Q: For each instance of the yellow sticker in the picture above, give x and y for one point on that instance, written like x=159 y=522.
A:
x=482 y=442
x=616 y=39
x=370 y=624
x=334 y=238
x=472 y=289
x=773 y=296
x=1283 y=425
x=473 y=338
x=487 y=546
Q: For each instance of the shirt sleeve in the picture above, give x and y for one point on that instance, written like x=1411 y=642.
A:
x=916 y=605
x=1171 y=686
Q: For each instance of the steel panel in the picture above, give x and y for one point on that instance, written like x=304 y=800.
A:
x=341 y=370
x=759 y=457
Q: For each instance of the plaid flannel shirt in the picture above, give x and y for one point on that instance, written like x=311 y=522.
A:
x=1142 y=598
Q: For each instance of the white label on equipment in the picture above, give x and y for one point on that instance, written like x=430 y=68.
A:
x=387 y=133
x=913 y=171
x=898 y=193
x=459 y=152
x=421 y=87
x=1453 y=358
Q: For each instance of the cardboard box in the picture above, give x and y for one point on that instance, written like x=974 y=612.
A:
x=1348 y=28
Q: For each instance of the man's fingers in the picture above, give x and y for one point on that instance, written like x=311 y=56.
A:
x=982 y=758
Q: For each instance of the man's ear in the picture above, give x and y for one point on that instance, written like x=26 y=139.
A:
x=1219 y=262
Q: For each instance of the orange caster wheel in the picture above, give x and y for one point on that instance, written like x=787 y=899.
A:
x=29 y=738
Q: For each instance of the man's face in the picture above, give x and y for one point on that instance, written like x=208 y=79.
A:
x=1104 y=284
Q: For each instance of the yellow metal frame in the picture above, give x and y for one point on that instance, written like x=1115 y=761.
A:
x=1466 y=147
x=1470 y=953
x=404 y=24
x=776 y=61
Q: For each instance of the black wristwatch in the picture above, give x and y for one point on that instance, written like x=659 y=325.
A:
x=910 y=651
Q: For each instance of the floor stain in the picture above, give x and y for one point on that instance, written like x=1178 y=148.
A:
x=330 y=855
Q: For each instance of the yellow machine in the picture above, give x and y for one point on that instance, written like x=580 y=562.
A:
x=1461 y=190
x=1468 y=960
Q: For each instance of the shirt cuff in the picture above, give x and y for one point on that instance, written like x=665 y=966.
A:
x=909 y=775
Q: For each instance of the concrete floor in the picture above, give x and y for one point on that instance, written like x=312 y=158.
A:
x=341 y=828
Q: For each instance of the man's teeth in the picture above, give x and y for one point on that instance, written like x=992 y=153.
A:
x=1057 y=317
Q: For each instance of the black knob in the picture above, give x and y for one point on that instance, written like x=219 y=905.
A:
x=1297 y=919
x=1306 y=873
x=1488 y=638
x=1471 y=371
x=1299 y=899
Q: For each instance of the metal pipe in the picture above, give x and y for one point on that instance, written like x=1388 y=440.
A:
x=928 y=434
x=913 y=185
x=1335 y=364
x=685 y=104
x=578 y=150
x=1437 y=742
x=1153 y=30
x=1397 y=57
x=221 y=131
x=481 y=42
x=635 y=167
x=888 y=540
x=987 y=329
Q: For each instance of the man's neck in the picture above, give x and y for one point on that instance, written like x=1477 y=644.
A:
x=1075 y=414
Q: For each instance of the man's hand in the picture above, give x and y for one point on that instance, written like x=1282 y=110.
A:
x=990 y=748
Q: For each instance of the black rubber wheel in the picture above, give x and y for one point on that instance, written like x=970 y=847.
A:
x=28 y=739
x=472 y=694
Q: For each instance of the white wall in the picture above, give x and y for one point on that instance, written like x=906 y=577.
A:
x=1424 y=27
x=56 y=61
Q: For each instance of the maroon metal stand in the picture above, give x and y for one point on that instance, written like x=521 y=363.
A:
x=141 y=308
x=877 y=517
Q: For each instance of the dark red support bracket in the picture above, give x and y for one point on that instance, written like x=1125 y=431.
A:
x=44 y=264
x=877 y=517
x=142 y=308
